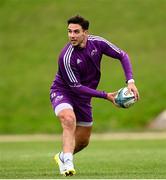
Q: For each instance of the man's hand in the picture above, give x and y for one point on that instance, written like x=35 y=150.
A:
x=111 y=97
x=133 y=88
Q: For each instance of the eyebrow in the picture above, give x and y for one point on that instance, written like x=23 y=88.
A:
x=74 y=29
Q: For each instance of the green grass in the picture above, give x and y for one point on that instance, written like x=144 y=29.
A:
x=32 y=34
x=123 y=159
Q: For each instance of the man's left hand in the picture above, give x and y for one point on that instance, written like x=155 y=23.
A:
x=132 y=87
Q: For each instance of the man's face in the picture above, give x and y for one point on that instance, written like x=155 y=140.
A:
x=76 y=34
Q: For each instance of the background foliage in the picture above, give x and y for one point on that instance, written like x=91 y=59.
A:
x=32 y=34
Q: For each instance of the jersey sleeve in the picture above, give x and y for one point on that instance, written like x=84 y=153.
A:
x=71 y=76
x=113 y=51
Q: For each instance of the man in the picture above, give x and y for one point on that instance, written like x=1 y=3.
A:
x=75 y=84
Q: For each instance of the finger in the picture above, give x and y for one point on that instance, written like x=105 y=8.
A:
x=115 y=93
x=136 y=95
x=130 y=89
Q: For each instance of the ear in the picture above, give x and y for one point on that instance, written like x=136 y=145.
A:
x=86 y=32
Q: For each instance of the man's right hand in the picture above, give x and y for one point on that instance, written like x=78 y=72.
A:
x=111 y=97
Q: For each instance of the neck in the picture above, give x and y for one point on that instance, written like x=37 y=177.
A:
x=83 y=43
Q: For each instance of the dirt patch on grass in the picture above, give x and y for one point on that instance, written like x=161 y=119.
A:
x=102 y=136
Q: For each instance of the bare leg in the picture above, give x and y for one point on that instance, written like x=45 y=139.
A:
x=82 y=136
x=74 y=139
x=68 y=122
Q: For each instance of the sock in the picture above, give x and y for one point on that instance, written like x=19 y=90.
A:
x=67 y=156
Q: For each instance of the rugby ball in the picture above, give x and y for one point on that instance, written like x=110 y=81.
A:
x=124 y=98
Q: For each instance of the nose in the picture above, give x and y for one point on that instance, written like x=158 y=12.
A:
x=72 y=34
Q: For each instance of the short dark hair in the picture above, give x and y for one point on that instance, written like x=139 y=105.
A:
x=79 y=20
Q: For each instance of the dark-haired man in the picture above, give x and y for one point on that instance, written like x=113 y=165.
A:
x=75 y=84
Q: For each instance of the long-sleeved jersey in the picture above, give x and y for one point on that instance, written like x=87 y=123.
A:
x=79 y=68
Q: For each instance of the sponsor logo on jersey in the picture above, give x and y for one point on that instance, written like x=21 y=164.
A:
x=93 y=52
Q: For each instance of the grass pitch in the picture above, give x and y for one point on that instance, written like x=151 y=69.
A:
x=112 y=159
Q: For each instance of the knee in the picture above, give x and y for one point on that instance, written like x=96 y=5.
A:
x=67 y=119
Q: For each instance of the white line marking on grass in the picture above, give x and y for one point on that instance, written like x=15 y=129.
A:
x=94 y=136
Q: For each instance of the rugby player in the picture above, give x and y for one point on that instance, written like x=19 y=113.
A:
x=76 y=83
